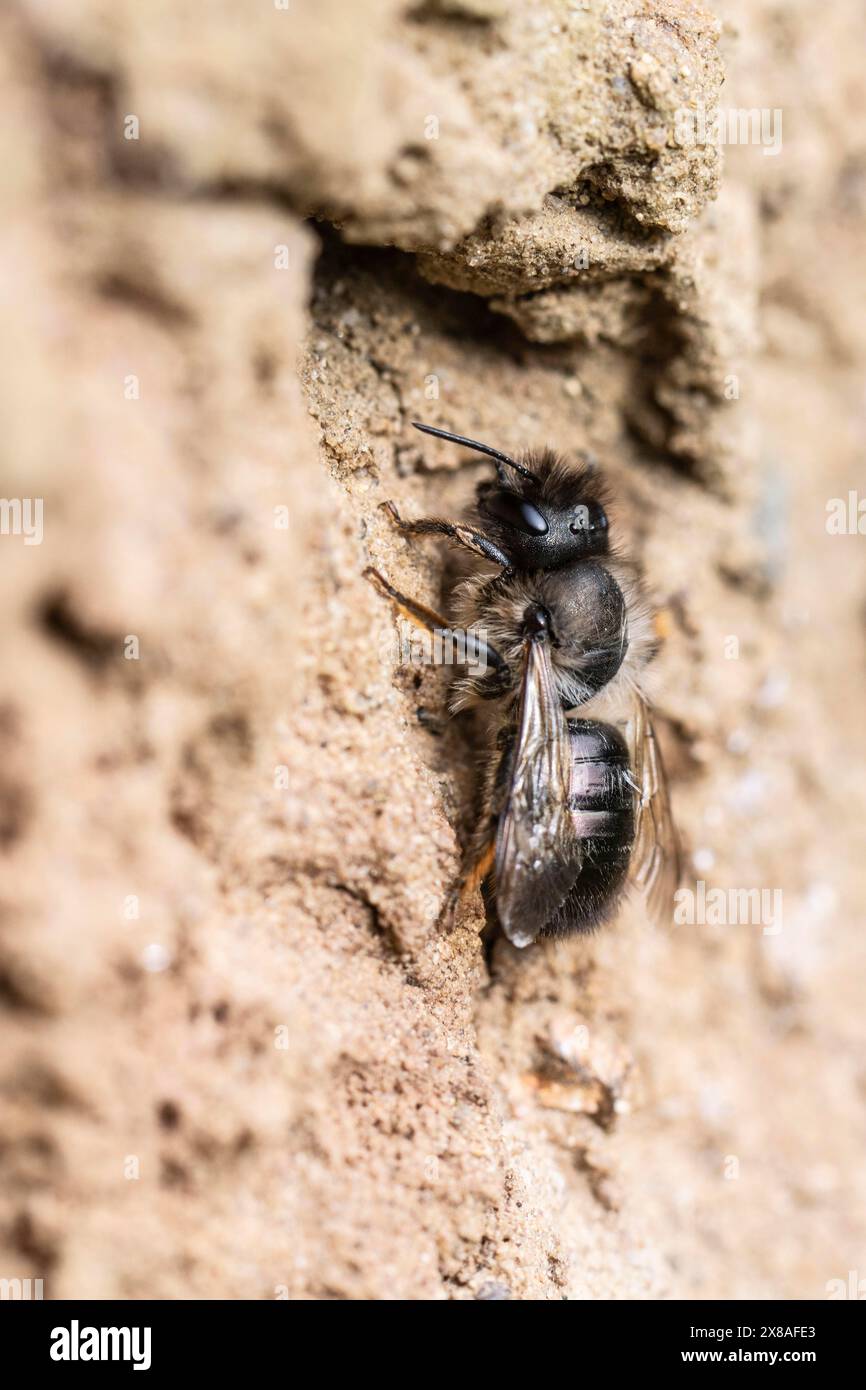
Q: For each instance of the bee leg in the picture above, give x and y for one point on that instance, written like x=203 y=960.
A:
x=409 y=607
x=475 y=870
x=477 y=873
x=474 y=648
x=462 y=535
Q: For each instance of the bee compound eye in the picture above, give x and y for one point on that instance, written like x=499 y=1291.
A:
x=516 y=512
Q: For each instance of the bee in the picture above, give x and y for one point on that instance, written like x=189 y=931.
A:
x=574 y=801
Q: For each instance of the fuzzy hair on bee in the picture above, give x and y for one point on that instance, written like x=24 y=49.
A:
x=574 y=801
x=603 y=636
x=548 y=479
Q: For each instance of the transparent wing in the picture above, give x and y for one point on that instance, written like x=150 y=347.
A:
x=656 y=861
x=537 y=854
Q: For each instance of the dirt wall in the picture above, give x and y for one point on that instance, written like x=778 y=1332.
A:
x=242 y=1057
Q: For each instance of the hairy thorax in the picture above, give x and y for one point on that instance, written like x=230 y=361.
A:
x=601 y=630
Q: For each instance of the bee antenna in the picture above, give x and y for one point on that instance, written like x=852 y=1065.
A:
x=479 y=448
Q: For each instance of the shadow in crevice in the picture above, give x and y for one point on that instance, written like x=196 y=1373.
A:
x=458 y=314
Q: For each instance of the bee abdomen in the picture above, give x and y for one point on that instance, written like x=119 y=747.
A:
x=601 y=795
x=602 y=811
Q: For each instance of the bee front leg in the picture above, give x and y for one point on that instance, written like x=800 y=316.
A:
x=466 y=536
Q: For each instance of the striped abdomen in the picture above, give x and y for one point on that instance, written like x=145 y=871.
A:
x=601 y=805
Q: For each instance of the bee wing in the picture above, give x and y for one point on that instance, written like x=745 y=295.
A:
x=656 y=862
x=537 y=854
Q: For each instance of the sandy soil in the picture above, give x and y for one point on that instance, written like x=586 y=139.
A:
x=241 y=1057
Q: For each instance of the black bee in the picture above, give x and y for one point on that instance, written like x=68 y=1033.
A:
x=575 y=803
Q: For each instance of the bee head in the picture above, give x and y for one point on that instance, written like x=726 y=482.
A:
x=541 y=511
x=540 y=531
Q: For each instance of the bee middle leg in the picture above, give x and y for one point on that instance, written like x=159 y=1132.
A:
x=410 y=608
x=474 y=649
